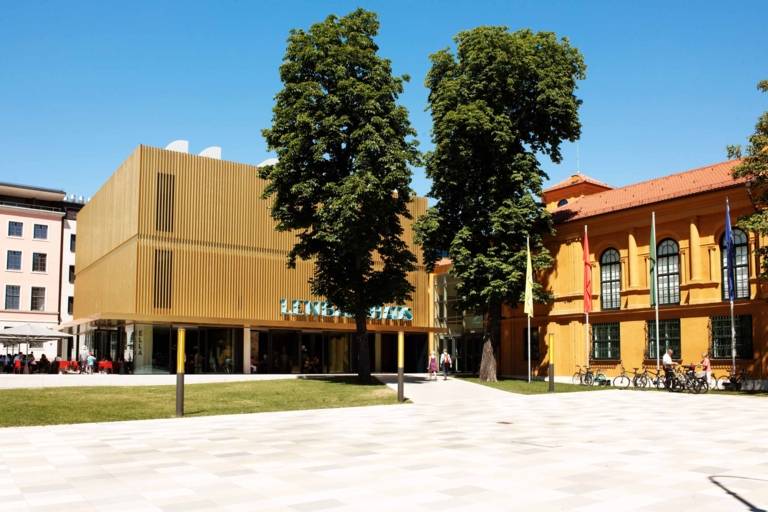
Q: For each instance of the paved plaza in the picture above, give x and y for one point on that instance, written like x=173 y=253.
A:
x=458 y=446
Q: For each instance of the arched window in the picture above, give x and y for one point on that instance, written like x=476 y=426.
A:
x=741 y=265
x=610 y=280
x=669 y=272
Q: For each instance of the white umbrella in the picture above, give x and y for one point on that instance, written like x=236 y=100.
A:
x=29 y=334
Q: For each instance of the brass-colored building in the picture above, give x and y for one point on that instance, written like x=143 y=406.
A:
x=179 y=240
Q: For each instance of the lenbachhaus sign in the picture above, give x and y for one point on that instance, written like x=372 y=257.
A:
x=327 y=310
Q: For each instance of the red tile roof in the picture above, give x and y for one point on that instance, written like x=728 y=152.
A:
x=711 y=177
x=576 y=179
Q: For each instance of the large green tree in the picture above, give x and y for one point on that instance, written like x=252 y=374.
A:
x=342 y=180
x=754 y=167
x=499 y=102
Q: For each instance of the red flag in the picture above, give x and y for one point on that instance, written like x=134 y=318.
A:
x=587 y=275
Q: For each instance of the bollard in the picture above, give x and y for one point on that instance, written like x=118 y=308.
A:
x=180 y=336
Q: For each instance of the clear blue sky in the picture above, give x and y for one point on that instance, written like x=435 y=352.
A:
x=668 y=85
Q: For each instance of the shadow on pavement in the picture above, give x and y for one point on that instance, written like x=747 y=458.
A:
x=715 y=479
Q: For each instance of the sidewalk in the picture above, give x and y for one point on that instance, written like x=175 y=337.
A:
x=420 y=390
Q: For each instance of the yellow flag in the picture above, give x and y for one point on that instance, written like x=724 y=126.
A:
x=528 y=309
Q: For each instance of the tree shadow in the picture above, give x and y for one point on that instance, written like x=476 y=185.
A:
x=342 y=379
x=750 y=506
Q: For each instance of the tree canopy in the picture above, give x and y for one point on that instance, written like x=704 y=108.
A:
x=342 y=181
x=754 y=167
x=500 y=101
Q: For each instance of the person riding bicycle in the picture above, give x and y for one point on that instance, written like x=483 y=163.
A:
x=669 y=369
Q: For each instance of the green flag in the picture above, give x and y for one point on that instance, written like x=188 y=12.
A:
x=652 y=276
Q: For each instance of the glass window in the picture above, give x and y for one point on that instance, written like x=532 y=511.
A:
x=721 y=336
x=741 y=265
x=669 y=337
x=40 y=232
x=15 y=228
x=39 y=262
x=605 y=341
x=610 y=280
x=38 y=299
x=70 y=305
x=13 y=261
x=669 y=272
x=535 y=349
x=72 y=274
x=72 y=242
x=12 y=296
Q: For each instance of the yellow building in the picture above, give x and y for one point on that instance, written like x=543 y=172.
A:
x=178 y=240
x=694 y=310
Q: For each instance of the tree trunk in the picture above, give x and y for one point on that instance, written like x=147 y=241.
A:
x=363 y=351
x=488 y=361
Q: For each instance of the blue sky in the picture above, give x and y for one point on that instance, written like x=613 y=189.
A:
x=668 y=85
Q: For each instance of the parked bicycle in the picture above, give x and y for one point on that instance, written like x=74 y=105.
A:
x=733 y=381
x=622 y=380
x=586 y=377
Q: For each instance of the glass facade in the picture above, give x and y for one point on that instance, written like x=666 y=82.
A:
x=464 y=336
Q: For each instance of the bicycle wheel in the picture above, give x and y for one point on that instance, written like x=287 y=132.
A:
x=641 y=381
x=660 y=382
x=723 y=383
x=622 y=381
x=589 y=379
x=576 y=378
x=704 y=386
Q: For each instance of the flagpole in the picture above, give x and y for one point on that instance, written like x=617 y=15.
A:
x=586 y=313
x=656 y=289
x=528 y=309
x=529 y=348
x=731 y=279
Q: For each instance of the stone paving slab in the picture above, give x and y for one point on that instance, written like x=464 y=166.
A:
x=452 y=449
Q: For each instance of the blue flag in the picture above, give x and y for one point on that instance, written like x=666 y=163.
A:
x=730 y=251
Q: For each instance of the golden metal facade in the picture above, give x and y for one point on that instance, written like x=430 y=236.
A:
x=174 y=237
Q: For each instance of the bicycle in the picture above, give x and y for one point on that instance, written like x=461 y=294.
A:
x=651 y=378
x=583 y=376
x=586 y=377
x=639 y=379
x=622 y=380
x=732 y=381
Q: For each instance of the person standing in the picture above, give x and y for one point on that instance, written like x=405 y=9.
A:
x=706 y=366
x=432 y=366
x=669 y=369
x=90 y=361
x=446 y=363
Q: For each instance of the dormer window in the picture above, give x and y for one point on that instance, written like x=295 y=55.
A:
x=562 y=202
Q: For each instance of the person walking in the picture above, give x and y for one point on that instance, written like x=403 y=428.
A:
x=445 y=362
x=432 y=366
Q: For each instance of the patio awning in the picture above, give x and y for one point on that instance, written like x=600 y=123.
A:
x=26 y=333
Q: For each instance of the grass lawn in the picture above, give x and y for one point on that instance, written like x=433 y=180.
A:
x=534 y=387
x=50 y=406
